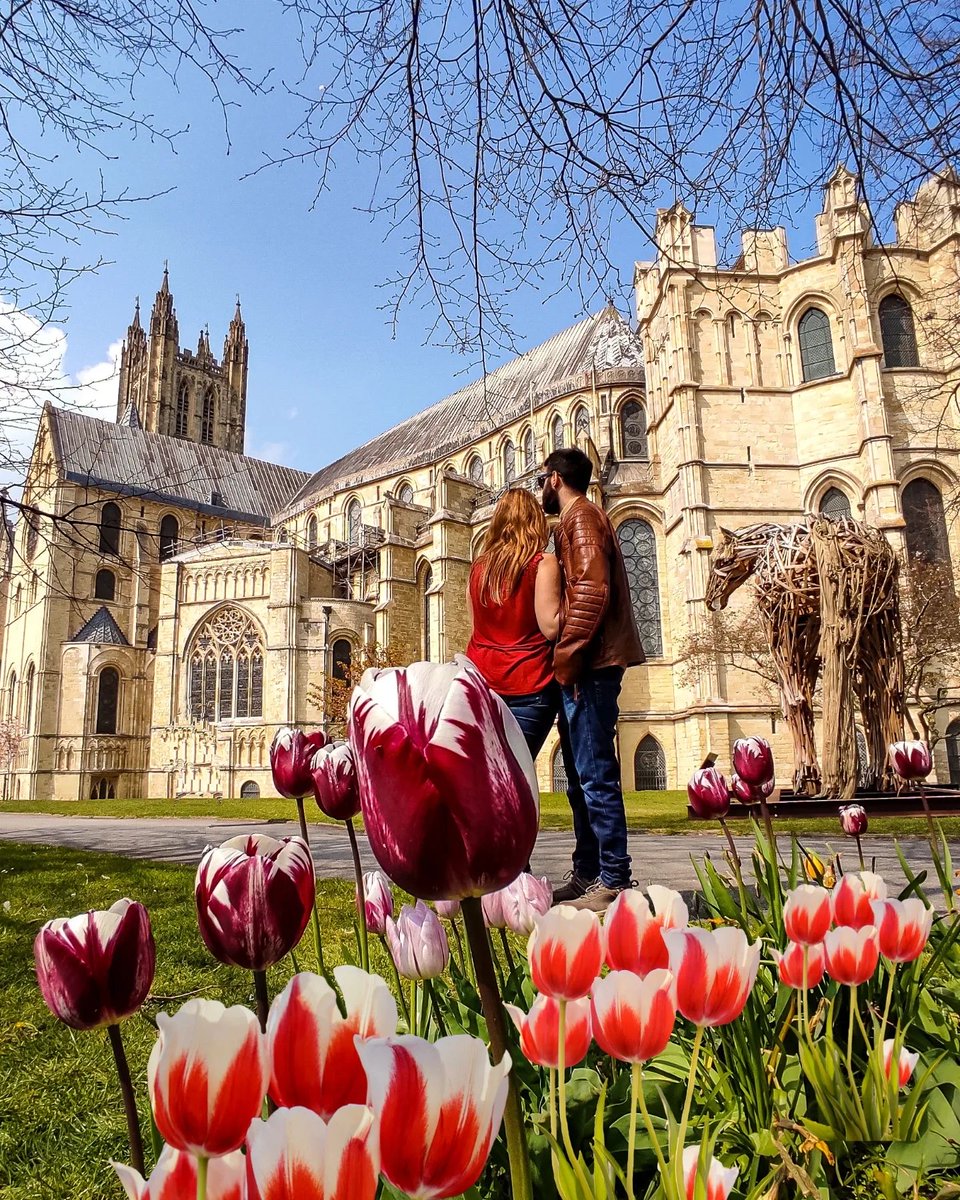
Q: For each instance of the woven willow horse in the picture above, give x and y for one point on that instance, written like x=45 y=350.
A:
x=828 y=598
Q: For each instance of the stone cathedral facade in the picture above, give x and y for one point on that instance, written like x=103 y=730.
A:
x=196 y=598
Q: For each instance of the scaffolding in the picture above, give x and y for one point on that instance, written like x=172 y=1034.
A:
x=353 y=563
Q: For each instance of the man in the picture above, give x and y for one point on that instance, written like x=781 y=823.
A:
x=598 y=640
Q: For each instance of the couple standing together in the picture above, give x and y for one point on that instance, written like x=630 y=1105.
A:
x=552 y=636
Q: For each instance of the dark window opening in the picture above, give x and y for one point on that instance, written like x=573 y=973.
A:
x=108 y=698
x=816 y=345
x=342 y=660
x=110 y=528
x=897 y=333
x=169 y=537
x=649 y=766
x=105 y=587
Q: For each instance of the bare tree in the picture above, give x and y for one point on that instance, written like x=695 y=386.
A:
x=12 y=735
x=734 y=640
x=931 y=644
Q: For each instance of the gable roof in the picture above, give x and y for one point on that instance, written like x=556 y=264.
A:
x=129 y=460
x=561 y=364
x=102 y=629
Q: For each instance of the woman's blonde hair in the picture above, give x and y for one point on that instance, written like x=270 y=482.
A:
x=518 y=531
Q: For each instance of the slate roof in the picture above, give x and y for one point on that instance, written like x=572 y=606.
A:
x=102 y=629
x=562 y=363
x=127 y=459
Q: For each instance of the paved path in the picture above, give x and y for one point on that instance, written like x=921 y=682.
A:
x=659 y=858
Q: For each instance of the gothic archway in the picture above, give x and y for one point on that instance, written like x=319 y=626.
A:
x=649 y=766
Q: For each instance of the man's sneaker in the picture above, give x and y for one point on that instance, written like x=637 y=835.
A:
x=575 y=887
x=598 y=897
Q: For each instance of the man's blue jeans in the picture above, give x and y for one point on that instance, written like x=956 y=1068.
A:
x=535 y=714
x=588 y=731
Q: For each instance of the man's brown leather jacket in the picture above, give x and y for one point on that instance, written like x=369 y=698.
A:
x=597 y=628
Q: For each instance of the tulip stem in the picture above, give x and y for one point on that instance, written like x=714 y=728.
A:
x=651 y=1132
x=495 y=1018
x=886 y=1007
x=464 y=963
x=413 y=1007
x=303 y=820
x=506 y=950
x=632 y=1136
x=437 y=1013
x=396 y=976
x=934 y=848
x=863 y=865
x=202 y=1178
x=263 y=998
x=736 y=864
x=129 y=1099
x=805 y=995
x=562 y=1076
x=358 y=872
x=677 y=1153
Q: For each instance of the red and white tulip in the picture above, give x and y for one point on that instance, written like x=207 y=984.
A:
x=633 y=1018
x=439 y=1106
x=753 y=760
x=447 y=785
x=333 y=774
x=296 y=1155
x=290 y=755
x=540 y=1031
x=852 y=954
x=903 y=927
x=418 y=942
x=377 y=902
x=207 y=1074
x=853 y=819
x=790 y=964
x=714 y=972
x=807 y=914
x=708 y=793
x=96 y=968
x=565 y=952
x=716 y=1181
x=906 y=1062
x=633 y=934
x=175 y=1177
x=910 y=760
x=852 y=899
x=313 y=1055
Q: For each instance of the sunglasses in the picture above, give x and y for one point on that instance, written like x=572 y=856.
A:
x=542 y=479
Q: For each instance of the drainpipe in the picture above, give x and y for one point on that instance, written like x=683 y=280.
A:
x=327 y=611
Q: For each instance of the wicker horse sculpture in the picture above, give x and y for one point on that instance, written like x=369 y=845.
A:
x=828 y=597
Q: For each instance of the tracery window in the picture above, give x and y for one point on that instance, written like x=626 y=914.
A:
x=558 y=772
x=528 y=451
x=108 y=700
x=105 y=586
x=426 y=601
x=475 y=469
x=169 y=537
x=835 y=504
x=509 y=462
x=226 y=668
x=581 y=426
x=556 y=432
x=639 y=546
x=405 y=493
x=342 y=660
x=209 y=414
x=633 y=430
x=926 y=524
x=897 y=332
x=183 y=410
x=312 y=527
x=354 y=514
x=649 y=766
x=110 y=528
x=816 y=345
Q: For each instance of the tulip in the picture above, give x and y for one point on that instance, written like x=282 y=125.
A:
x=254 y=897
x=714 y=971
x=790 y=964
x=633 y=934
x=807 y=914
x=540 y=1031
x=175 y=1178
x=719 y=1179
x=334 y=777
x=745 y=792
x=903 y=928
x=96 y=969
x=524 y=900
x=852 y=954
x=377 y=902
x=439 y=1106
x=447 y=908
x=290 y=755
x=447 y=785
x=906 y=1062
x=753 y=760
x=417 y=942
x=208 y=1074
x=633 y=1018
x=708 y=793
x=296 y=1155
x=492 y=904
x=853 y=819
x=852 y=899
x=565 y=952
x=313 y=1056
x=911 y=760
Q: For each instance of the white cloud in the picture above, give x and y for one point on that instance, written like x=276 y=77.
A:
x=274 y=452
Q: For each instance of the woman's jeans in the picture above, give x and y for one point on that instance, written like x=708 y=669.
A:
x=535 y=714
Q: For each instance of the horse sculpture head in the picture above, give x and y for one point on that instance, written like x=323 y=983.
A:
x=733 y=561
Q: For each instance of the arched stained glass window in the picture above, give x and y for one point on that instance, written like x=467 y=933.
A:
x=354 y=516
x=816 y=345
x=649 y=766
x=105 y=586
x=342 y=660
x=639 y=546
x=209 y=417
x=633 y=430
x=426 y=603
x=581 y=426
x=558 y=772
x=110 y=528
x=226 y=668
x=926 y=524
x=108 y=699
x=169 y=537
x=952 y=740
x=475 y=469
x=556 y=432
x=405 y=493
x=312 y=527
x=897 y=333
x=509 y=462
x=182 y=427
x=835 y=504
x=529 y=451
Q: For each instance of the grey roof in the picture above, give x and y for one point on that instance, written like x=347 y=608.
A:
x=600 y=342
x=127 y=459
x=102 y=629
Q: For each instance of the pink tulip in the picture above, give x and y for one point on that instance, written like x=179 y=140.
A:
x=97 y=968
x=377 y=902
x=852 y=898
x=524 y=900
x=753 y=760
x=745 y=792
x=906 y=1062
x=334 y=777
x=633 y=1018
x=207 y=1075
x=853 y=819
x=540 y=1031
x=492 y=905
x=790 y=964
x=175 y=1177
x=717 y=1181
x=447 y=785
x=708 y=793
x=633 y=935
x=903 y=927
x=254 y=898
x=439 y=1106
x=418 y=943
x=313 y=1055
x=911 y=760
x=852 y=954
x=807 y=914
x=714 y=971
x=447 y=908
x=565 y=952
x=296 y=1155
x=290 y=756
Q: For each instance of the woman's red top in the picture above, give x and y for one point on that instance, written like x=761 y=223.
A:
x=506 y=645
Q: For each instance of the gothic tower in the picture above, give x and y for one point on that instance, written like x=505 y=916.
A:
x=181 y=393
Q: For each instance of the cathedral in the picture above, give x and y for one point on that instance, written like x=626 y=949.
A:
x=185 y=600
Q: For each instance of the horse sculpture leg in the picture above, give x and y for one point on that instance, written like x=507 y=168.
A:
x=796 y=667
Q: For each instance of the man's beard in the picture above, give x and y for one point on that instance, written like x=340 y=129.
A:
x=550 y=500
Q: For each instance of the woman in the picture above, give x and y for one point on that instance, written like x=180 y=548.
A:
x=514 y=597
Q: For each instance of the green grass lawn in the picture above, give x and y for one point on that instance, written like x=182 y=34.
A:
x=60 y=1115
x=653 y=812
